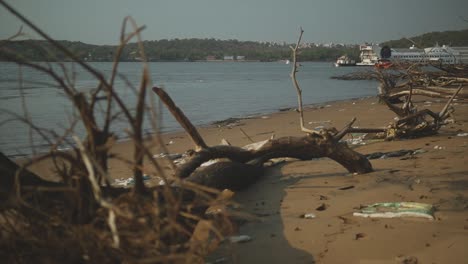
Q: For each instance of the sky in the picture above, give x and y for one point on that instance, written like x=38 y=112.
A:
x=323 y=21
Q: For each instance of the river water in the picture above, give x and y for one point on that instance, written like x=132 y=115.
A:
x=205 y=91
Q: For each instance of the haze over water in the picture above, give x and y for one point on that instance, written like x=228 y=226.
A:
x=205 y=91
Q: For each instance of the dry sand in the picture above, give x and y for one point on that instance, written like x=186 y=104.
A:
x=439 y=177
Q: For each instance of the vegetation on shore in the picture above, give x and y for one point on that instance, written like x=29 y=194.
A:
x=214 y=49
x=178 y=50
x=451 y=38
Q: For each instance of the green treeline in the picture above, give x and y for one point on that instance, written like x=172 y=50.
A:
x=451 y=38
x=177 y=50
x=213 y=49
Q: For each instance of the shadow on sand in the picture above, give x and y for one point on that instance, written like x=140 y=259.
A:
x=269 y=243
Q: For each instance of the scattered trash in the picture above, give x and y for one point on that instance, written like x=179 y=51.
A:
x=167 y=155
x=357 y=139
x=449 y=121
x=129 y=181
x=256 y=145
x=319 y=127
x=265 y=117
x=438 y=147
x=418 y=151
x=346 y=187
x=359 y=236
x=393 y=154
x=219 y=260
x=322 y=207
x=170 y=142
x=328 y=106
x=319 y=122
x=407 y=260
x=210 y=162
x=462 y=134
x=323 y=197
x=239 y=239
x=397 y=209
x=308 y=216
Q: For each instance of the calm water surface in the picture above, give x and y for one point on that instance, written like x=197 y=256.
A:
x=205 y=91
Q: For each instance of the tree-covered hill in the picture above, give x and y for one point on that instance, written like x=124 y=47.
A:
x=177 y=50
x=213 y=49
x=451 y=38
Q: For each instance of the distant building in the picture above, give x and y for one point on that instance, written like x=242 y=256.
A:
x=228 y=58
x=462 y=53
x=210 y=58
x=240 y=58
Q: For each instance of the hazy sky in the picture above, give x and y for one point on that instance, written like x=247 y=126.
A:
x=339 y=21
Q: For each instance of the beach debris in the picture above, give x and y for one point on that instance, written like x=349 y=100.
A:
x=265 y=117
x=322 y=207
x=438 y=147
x=346 y=187
x=345 y=220
x=210 y=162
x=239 y=239
x=418 y=151
x=393 y=154
x=357 y=139
x=218 y=260
x=308 y=216
x=129 y=181
x=256 y=145
x=319 y=122
x=462 y=134
x=323 y=197
x=449 y=121
x=407 y=259
x=359 y=236
x=168 y=155
x=232 y=121
x=397 y=210
x=286 y=109
x=225 y=142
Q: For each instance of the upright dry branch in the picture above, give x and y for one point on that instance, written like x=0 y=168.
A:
x=296 y=84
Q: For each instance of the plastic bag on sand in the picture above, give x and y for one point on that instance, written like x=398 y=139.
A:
x=393 y=210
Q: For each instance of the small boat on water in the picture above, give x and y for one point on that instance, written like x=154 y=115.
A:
x=344 y=61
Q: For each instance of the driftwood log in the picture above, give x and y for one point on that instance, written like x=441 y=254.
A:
x=244 y=166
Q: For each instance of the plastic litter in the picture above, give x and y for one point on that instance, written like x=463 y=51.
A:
x=308 y=216
x=129 y=181
x=167 y=155
x=240 y=239
x=219 y=260
x=462 y=134
x=397 y=210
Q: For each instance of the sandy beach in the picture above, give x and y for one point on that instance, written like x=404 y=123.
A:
x=438 y=175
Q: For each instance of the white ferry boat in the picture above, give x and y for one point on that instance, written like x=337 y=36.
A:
x=371 y=54
x=344 y=61
x=444 y=54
